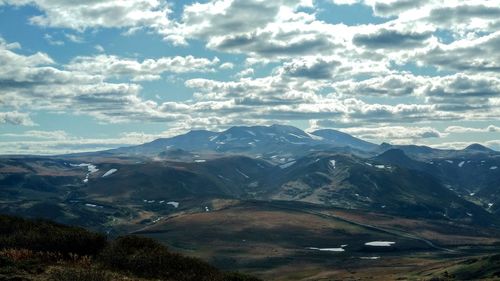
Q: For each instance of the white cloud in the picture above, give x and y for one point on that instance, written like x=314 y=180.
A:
x=395 y=134
x=74 y=38
x=53 y=41
x=338 y=74
x=52 y=135
x=462 y=130
x=80 y=15
x=99 y=48
x=227 y=65
x=35 y=82
x=245 y=72
x=16 y=118
x=149 y=69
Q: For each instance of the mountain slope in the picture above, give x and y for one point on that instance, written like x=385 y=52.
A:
x=350 y=182
x=342 y=139
x=253 y=140
x=41 y=250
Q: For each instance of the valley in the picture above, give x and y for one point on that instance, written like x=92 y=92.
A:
x=277 y=202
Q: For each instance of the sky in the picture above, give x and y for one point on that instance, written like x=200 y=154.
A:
x=97 y=74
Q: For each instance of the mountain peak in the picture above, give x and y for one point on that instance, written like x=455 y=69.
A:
x=478 y=147
x=393 y=153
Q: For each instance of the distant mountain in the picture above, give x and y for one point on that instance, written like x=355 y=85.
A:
x=398 y=157
x=422 y=152
x=479 y=148
x=252 y=140
x=413 y=150
x=344 y=139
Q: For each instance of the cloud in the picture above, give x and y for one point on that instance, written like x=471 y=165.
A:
x=280 y=98
x=221 y=17
x=266 y=29
x=467 y=15
x=81 y=15
x=390 y=85
x=149 y=69
x=227 y=65
x=395 y=133
x=50 y=39
x=463 y=130
x=74 y=38
x=51 y=135
x=467 y=55
x=16 y=118
x=392 y=38
x=297 y=65
x=34 y=82
x=60 y=142
x=246 y=72
x=392 y=134
x=395 y=7
x=99 y=48
x=493 y=144
x=311 y=67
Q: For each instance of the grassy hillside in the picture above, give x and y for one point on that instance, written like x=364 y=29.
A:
x=42 y=250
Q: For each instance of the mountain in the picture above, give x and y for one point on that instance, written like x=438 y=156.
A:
x=344 y=139
x=351 y=182
x=257 y=198
x=479 y=148
x=398 y=157
x=422 y=152
x=263 y=141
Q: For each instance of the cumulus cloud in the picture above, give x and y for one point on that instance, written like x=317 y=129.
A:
x=296 y=66
x=80 y=15
x=461 y=129
x=311 y=67
x=149 y=69
x=467 y=55
x=16 y=118
x=390 y=85
x=53 y=135
x=227 y=65
x=35 y=82
x=397 y=38
x=395 y=7
x=393 y=134
x=266 y=29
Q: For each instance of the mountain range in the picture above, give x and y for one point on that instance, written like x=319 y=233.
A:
x=146 y=188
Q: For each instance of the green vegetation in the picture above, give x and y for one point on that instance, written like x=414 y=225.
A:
x=42 y=250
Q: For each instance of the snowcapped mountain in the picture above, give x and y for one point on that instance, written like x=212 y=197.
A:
x=253 y=140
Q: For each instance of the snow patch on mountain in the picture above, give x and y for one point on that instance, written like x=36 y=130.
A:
x=287 y=165
x=243 y=174
x=380 y=243
x=109 y=173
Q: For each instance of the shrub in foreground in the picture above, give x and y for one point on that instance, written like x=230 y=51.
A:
x=48 y=236
x=78 y=274
x=145 y=257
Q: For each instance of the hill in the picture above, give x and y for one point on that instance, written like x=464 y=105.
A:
x=42 y=250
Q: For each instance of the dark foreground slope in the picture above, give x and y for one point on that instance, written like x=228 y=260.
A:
x=42 y=250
